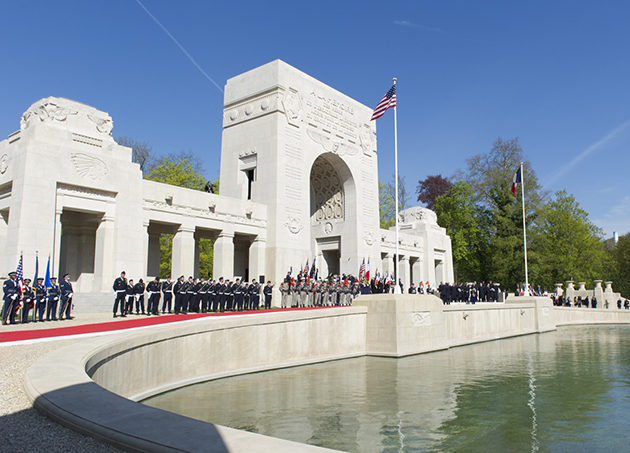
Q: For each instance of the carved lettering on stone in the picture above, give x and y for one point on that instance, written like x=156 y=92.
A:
x=421 y=318
x=88 y=167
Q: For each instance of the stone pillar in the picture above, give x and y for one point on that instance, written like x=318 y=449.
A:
x=57 y=246
x=598 y=292
x=609 y=297
x=104 y=274
x=405 y=275
x=145 y=250
x=257 y=259
x=388 y=264
x=570 y=289
x=559 y=290
x=183 y=262
x=197 y=256
x=224 y=255
x=582 y=286
x=154 y=254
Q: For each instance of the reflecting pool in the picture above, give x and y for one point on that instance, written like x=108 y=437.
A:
x=564 y=391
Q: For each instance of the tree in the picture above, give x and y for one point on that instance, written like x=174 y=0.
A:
x=458 y=213
x=621 y=256
x=141 y=153
x=431 y=188
x=177 y=173
x=569 y=245
x=490 y=178
x=387 y=201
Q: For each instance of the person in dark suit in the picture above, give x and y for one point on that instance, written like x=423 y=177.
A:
x=40 y=300
x=120 y=287
x=179 y=290
x=167 y=293
x=268 y=292
x=66 y=297
x=53 y=300
x=412 y=289
x=153 y=288
x=27 y=300
x=138 y=291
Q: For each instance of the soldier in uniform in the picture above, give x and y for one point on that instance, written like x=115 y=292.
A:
x=53 y=299
x=153 y=288
x=27 y=300
x=167 y=293
x=179 y=290
x=131 y=297
x=412 y=289
x=254 y=295
x=10 y=291
x=238 y=294
x=66 y=297
x=40 y=300
x=193 y=303
x=229 y=295
x=204 y=295
x=268 y=292
x=221 y=295
x=120 y=288
x=212 y=291
x=138 y=291
x=284 y=294
x=187 y=302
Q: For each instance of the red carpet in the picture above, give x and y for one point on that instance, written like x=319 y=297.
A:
x=141 y=321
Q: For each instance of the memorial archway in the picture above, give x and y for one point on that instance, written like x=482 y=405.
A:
x=332 y=213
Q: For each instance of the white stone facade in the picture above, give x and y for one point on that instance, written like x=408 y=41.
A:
x=299 y=180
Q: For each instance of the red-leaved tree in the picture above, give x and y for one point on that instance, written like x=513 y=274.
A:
x=431 y=188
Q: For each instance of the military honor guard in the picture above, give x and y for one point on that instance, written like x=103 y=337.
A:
x=120 y=288
x=268 y=292
x=254 y=295
x=131 y=297
x=179 y=290
x=167 y=295
x=138 y=291
x=10 y=298
x=153 y=288
x=27 y=300
x=66 y=297
x=40 y=301
x=53 y=300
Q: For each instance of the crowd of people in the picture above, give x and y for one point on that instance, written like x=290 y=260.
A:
x=469 y=293
x=562 y=301
x=195 y=295
x=49 y=299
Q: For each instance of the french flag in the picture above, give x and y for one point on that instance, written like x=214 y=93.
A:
x=516 y=180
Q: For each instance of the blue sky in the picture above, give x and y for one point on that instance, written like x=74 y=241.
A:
x=555 y=74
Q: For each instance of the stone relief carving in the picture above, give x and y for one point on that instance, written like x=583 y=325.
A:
x=330 y=145
x=292 y=107
x=367 y=139
x=88 y=167
x=328 y=228
x=251 y=109
x=421 y=318
x=4 y=163
x=78 y=190
x=46 y=112
x=328 y=188
x=103 y=125
x=293 y=225
x=369 y=238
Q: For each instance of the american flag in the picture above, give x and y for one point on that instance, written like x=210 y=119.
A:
x=362 y=269
x=389 y=100
x=20 y=278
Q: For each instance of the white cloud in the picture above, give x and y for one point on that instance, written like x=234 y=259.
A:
x=406 y=23
x=616 y=219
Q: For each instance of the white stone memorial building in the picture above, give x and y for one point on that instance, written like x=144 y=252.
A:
x=299 y=180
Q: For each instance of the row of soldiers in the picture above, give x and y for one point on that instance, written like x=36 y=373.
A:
x=319 y=293
x=37 y=298
x=468 y=292
x=194 y=295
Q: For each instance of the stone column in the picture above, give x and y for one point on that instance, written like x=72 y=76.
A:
x=145 y=250
x=388 y=264
x=598 y=292
x=183 y=262
x=404 y=272
x=417 y=272
x=608 y=296
x=197 y=256
x=104 y=274
x=257 y=259
x=570 y=289
x=224 y=256
x=57 y=246
x=559 y=290
x=582 y=286
x=154 y=254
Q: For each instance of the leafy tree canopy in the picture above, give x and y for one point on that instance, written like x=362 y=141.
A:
x=431 y=188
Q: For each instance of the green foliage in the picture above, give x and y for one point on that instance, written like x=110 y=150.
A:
x=177 y=173
x=166 y=255
x=387 y=201
x=621 y=258
x=461 y=216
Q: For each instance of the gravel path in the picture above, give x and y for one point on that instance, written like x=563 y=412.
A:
x=23 y=428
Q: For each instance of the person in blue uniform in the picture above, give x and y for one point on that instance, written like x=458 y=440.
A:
x=138 y=291
x=66 y=297
x=254 y=295
x=10 y=297
x=167 y=292
x=53 y=300
x=120 y=287
x=40 y=301
x=131 y=297
x=153 y=288
x=28 y=300
x=268 y=291
x=180 y=291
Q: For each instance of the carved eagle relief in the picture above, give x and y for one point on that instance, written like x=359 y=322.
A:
x=88 y=167
x=331 y=146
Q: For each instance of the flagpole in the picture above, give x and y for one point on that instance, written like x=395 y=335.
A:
x=524 y=227
x=396 y=287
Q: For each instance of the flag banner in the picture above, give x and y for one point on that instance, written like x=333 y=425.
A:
x=517 y=179
x=36 y=270
x=389 y=100
x=20 y=280
x=362 y=269
x=47 y=282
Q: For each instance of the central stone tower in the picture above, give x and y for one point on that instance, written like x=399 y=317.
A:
x=308 y=152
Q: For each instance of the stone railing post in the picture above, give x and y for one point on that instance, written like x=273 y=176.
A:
x=598 y=292
x=570 y=290
x=559 y=292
